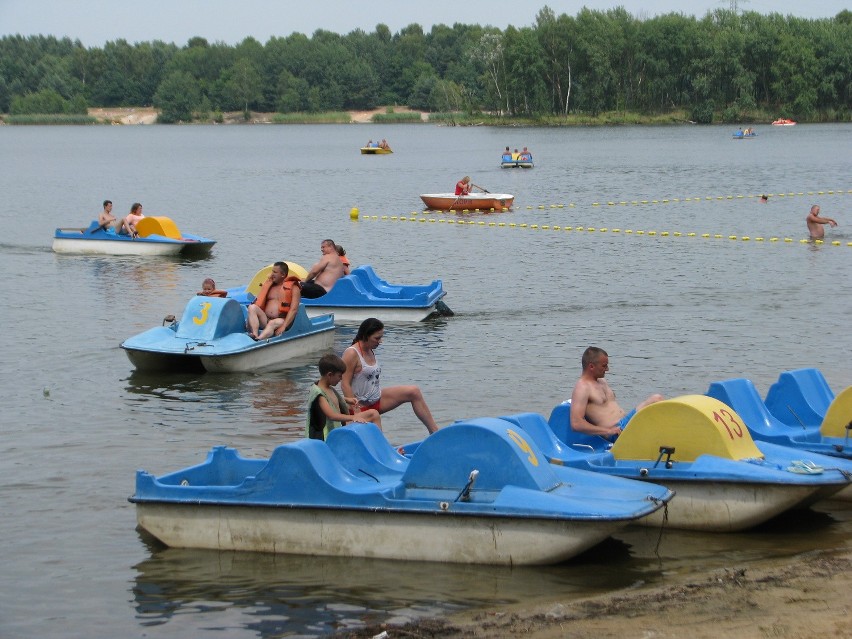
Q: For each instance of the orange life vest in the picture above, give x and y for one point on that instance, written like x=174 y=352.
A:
x=285 y=297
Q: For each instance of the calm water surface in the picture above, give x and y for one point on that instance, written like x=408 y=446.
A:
x=674 y=311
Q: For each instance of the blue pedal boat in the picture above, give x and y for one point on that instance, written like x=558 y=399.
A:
x=211 y=336
x=473 y=493
x=360 y=295
x=831 y=437
x=158 y=236
x=697 y=447
x=803 y=398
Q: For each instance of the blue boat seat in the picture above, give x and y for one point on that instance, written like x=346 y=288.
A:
x=363 y=450
x=800 y=396
x=542 y=434
x=308 y=471
x=560 y=424
x=741 y=395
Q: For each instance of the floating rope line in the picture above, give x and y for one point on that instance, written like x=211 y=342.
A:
x=413 y=217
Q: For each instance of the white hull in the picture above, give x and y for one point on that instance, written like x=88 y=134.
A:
x=112 y=247
x=725 y=507
x=268 y=358
x=348 y=533
x=357 y=314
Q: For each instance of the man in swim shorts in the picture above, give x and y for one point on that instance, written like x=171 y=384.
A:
x=594 y=410
x=815 y=223
x=325 y=273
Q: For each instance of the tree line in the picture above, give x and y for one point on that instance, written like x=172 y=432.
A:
x=724 y=64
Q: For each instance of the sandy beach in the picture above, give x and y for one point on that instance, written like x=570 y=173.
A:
x=148 y=115
x=803 y=597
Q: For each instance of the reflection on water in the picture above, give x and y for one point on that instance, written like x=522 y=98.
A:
x=292 y=595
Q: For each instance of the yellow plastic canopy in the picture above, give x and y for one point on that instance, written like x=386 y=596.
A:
x=158 y=225
x=838 y=415
x=257 y=281
x=693 y=425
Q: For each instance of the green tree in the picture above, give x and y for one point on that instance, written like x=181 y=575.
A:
x=177 y=97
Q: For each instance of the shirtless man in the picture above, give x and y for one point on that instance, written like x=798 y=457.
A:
x=105 y=217
x=815 y=222
x=324 y=273
x=276 y=304
x=594 y=410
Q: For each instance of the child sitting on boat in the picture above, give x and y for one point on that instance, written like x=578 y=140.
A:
x=208 y=289
x=326 y=404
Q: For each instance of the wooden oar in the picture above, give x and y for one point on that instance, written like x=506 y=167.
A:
x=480 y=188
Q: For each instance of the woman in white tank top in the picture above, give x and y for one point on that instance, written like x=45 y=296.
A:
x=361 y=382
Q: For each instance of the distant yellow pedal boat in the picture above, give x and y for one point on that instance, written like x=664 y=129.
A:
x=375 y=150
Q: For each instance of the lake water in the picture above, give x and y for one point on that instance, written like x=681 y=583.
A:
x=675 y=311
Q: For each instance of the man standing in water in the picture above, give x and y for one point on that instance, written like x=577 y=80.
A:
x=815 y=222
x=594 y=410
x=324 y=273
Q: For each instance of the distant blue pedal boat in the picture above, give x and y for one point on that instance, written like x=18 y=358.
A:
x=211 y=336
x=700 y=449
x=360 y=295
x=477 y=492
x=158 y=236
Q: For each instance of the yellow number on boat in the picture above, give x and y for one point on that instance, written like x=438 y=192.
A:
x=523 y=445
x=205 y=309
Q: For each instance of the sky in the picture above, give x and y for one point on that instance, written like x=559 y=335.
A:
x=95 y=22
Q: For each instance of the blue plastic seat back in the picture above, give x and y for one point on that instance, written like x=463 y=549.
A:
x=741 y=395
x=347 y=290
x=207 y=318
x=362 y=449
x=498 y=449
x=540 y=432
x=800 y=397
x=560 y=424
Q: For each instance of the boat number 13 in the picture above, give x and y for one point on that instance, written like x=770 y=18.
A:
x=729 y=421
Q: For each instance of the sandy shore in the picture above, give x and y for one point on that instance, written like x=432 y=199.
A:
x=148 y=115
x=803 y=597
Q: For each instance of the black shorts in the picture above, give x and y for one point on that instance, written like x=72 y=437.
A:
x=311 y=290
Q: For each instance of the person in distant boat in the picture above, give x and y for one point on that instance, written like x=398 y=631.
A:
x=370 y=144
x=325 y=273
x=463 y=186
x=341 y=253
x=594 y=410
x=516 y=155
x=327 y=409
x=384 y=144
x=525 y=156
x=815 y=223
x=275 y=306
x=128 y=223
x=208 y=289
x=361 y=385
x=105 y=217
x=507 y=155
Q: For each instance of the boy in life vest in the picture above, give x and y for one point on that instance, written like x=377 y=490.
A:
x=326 y=405
x=276 y=304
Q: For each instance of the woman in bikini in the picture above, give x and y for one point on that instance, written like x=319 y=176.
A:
x=361 y=382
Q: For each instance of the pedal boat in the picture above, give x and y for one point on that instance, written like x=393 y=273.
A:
x=360 y=295
x=474 y=493
x=211 y=336
x=472 y=202
x=374 y=150
x=157 y=236
x=526 y=162
x=783 y=122
x=698 y=448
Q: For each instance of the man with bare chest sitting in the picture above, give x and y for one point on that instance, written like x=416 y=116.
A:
x=594 y=410
x=276 y=304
